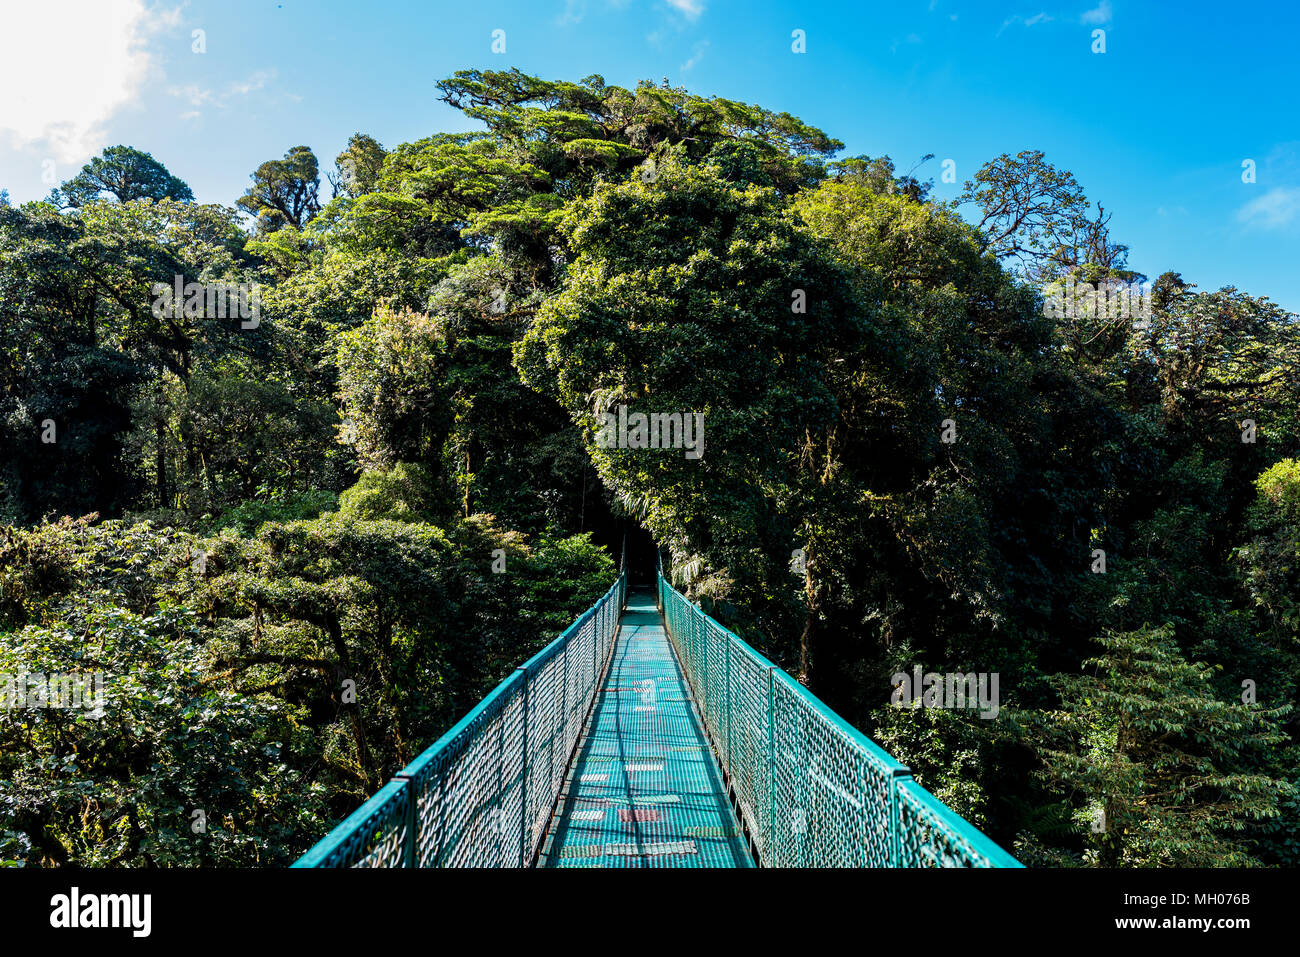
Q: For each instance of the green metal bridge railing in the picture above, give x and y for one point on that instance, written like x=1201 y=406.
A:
x=811 y=790
x=483 y=794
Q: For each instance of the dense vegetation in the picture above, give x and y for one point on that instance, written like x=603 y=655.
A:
x=276 y=537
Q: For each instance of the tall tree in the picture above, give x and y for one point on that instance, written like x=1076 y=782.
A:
x=694 y=296
x=284 y=192
x=125 y=173
x=357 y=168
x=1028 y=209
x=1158 y=764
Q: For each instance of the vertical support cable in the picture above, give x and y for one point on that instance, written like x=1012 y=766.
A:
x=770 y=844
x=726 y=649
x=443 y=781
x=524 y=823
x=896 y=779
x=564 y=699
x=497 y=824
x=708 y=698
x=410 y=854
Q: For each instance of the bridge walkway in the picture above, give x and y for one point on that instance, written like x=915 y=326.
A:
x=644 y=789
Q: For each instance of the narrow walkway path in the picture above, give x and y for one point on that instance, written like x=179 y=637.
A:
x=644 y=789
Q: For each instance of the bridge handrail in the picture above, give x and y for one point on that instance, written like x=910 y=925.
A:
x=811 y=789
x=482 y=794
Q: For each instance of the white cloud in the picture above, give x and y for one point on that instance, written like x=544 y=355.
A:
x=691 y=9
x=574 y=11
x=70 y=65
x=255 y=82
x=1101 y=14
x=200 y=96
x=1037 y=18
x=1278 y=207
x=698 y=56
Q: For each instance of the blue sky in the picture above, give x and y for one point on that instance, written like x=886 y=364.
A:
x=1156 y=127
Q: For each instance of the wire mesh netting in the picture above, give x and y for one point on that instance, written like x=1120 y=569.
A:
x=645 y=789
x=812 y=790
x=482 y=795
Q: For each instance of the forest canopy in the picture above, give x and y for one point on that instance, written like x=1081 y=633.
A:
x=237 y=518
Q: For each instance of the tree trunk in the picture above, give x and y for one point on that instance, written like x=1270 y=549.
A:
x=807 y=638
x=160 y=456
x=354 y=709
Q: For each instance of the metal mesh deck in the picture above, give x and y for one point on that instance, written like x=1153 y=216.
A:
x=644 y=789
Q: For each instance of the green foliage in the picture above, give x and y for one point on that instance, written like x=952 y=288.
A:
x=679 y=300
x=424 y=390
x=223 y=662
x=393 y=388
x=949 y=753
x=560 y=125
x=358 y=167
x=284 y=192
x=1270 y=563
x=404 y=493
x=121 y=789
x=247 y=517
x=1036 y=215
x=126 y=173
x=1157 y=760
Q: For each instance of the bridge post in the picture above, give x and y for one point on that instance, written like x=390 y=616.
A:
x=410 y=847
x=896 y=778
x=770 y=836
x=699 y=648
x=523 y=777
x=497 y=824
x=701 y=628
x=726 y=649
x=564 y=703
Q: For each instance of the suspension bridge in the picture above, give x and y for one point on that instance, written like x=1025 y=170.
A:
x=648 y=735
